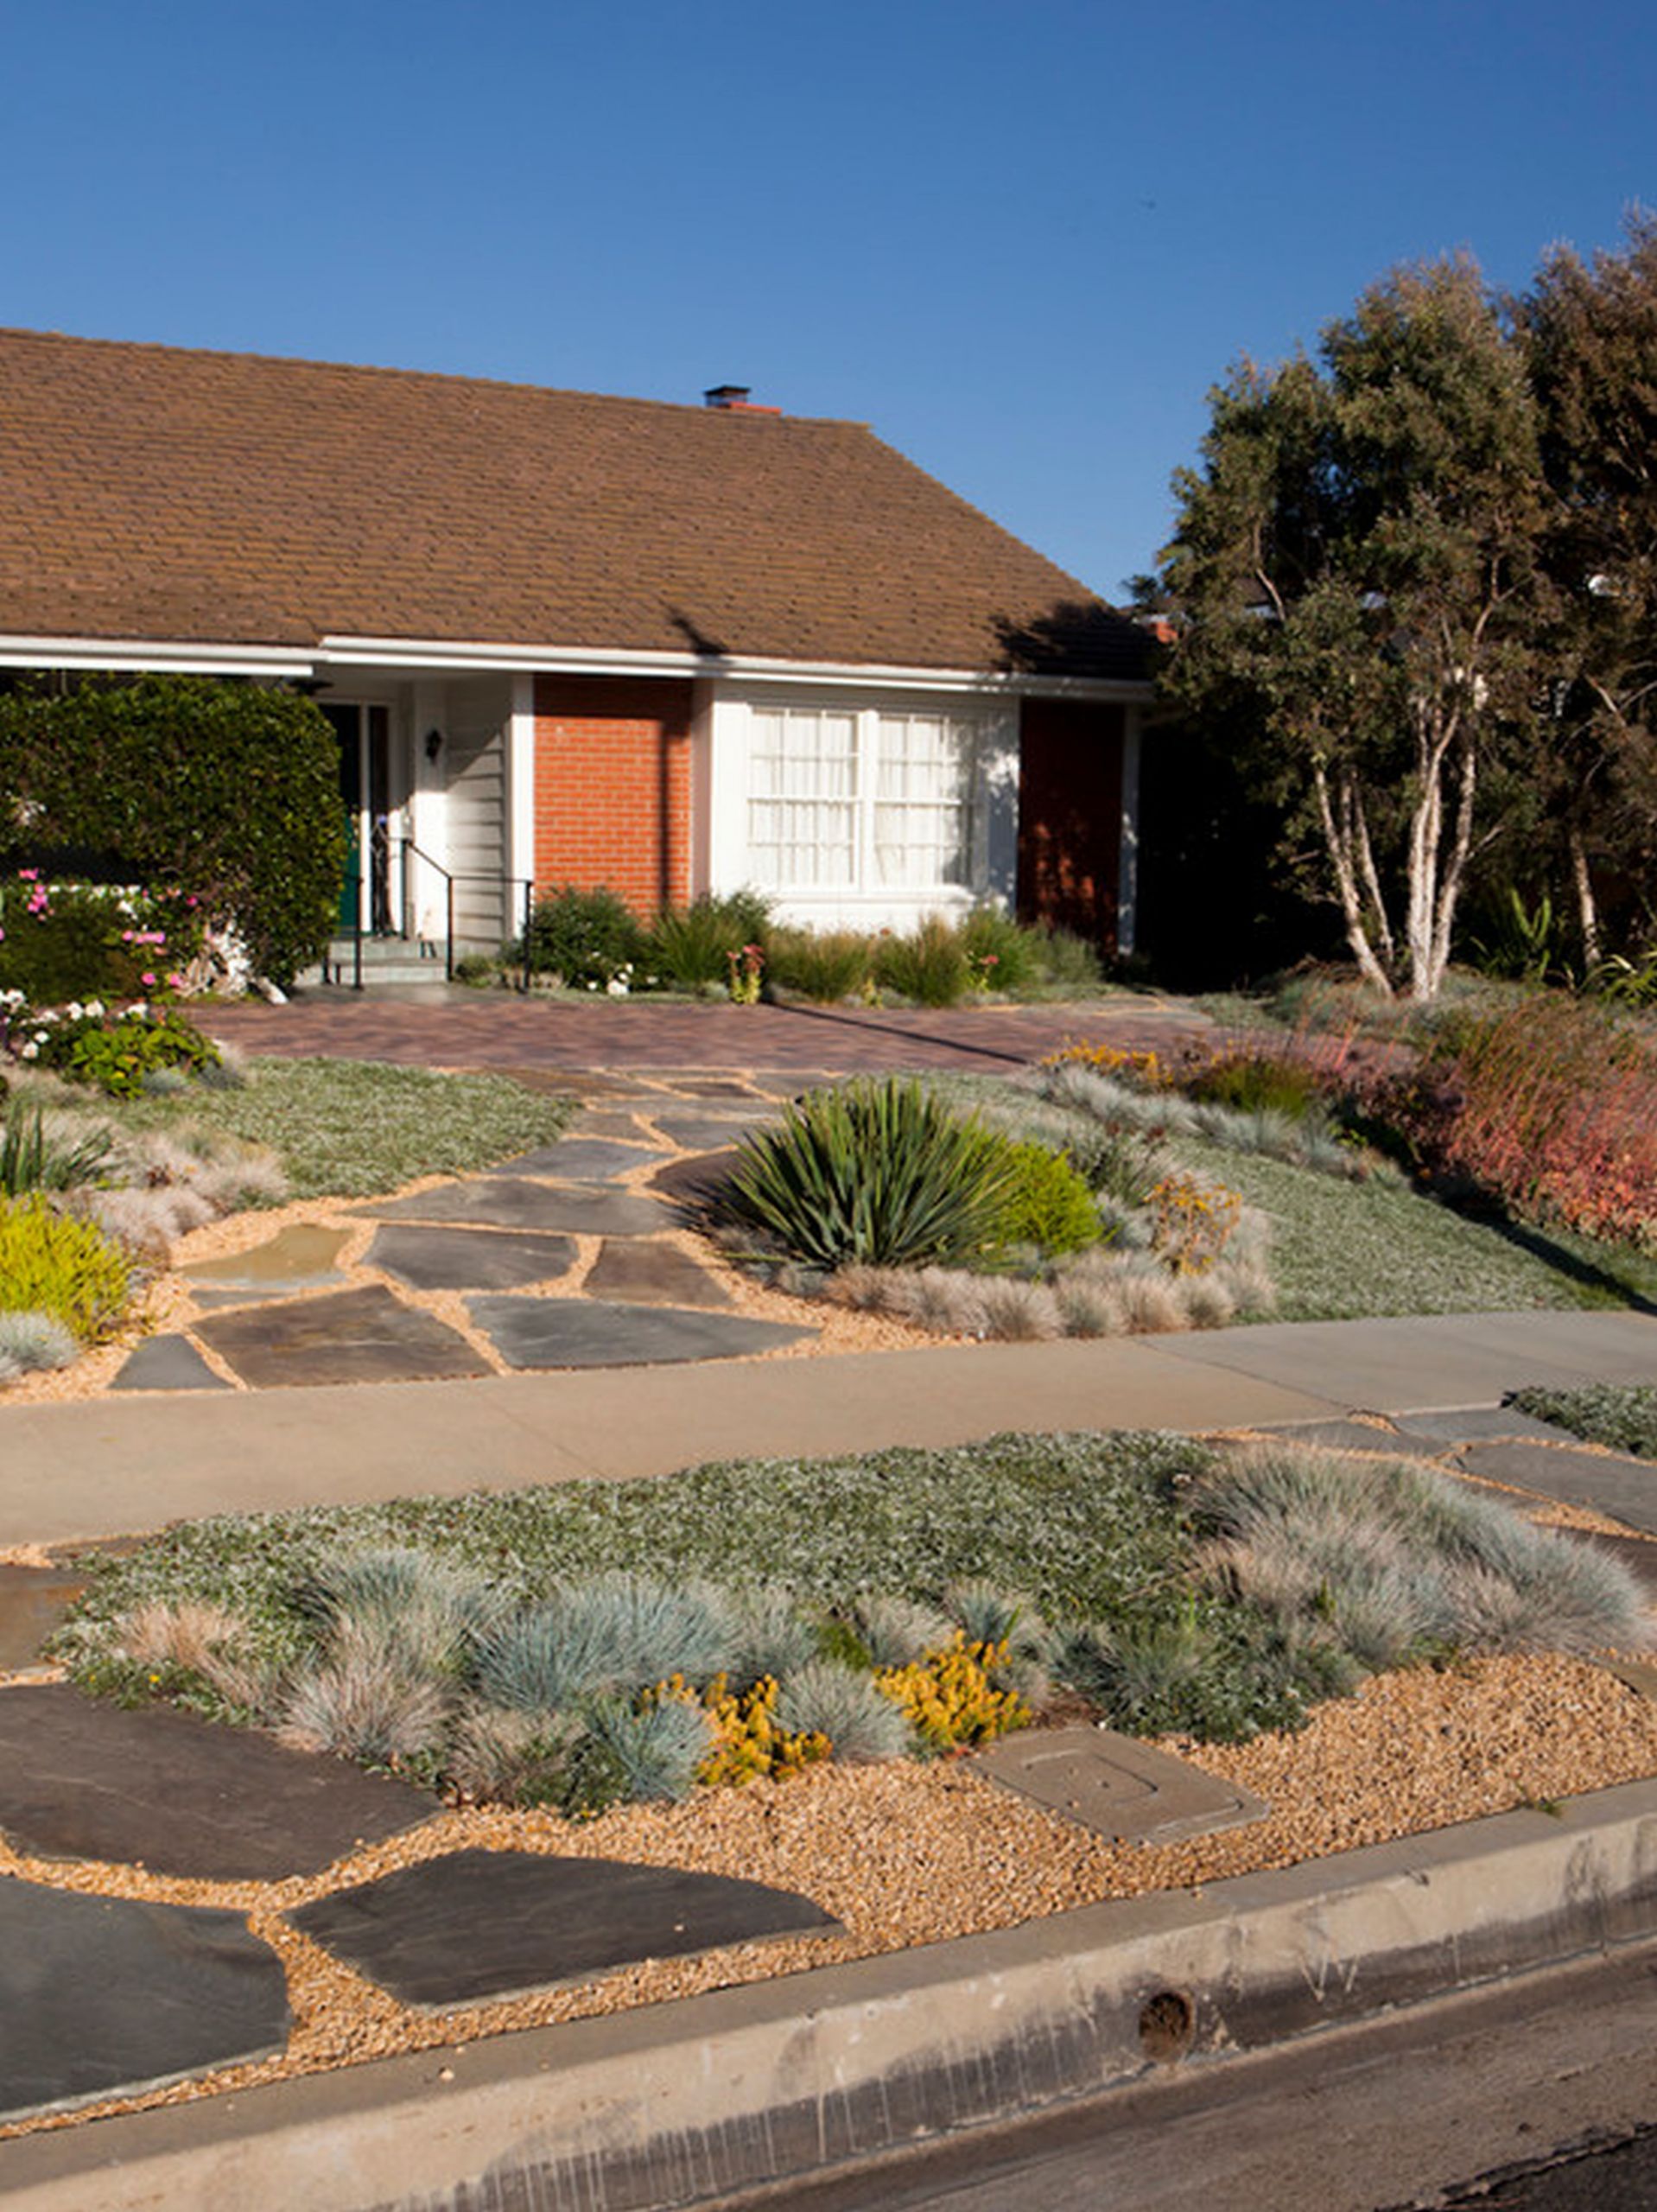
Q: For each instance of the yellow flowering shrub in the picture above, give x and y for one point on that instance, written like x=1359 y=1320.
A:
x=1195 y=1222
x=949 y=1699
x=1147 y=1068
x=749 y=1746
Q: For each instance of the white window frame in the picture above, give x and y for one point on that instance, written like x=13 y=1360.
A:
x=865 y=800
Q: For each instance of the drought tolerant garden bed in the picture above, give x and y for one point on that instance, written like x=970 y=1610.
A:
x=591 y=1642
x=94 y=1189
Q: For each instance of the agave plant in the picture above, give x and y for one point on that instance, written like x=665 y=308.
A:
x=876 y=1172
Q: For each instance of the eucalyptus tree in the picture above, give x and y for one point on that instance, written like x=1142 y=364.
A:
x=1590 y=331
x=1354 y=589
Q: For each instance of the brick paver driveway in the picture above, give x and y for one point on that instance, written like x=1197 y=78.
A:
x=500 y=1030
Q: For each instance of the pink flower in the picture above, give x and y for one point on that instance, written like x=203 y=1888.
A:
x=176 y=981
x=146 y=978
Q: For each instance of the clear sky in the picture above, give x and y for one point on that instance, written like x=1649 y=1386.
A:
x=1019 y=240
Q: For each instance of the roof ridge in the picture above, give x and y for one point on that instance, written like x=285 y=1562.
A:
x=241 y=355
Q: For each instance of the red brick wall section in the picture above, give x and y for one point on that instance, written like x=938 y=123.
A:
x=613 y=787
x=1070 y=816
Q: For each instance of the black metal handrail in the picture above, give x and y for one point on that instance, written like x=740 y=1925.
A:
x=451 y=877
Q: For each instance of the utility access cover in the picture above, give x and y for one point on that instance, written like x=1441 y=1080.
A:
x=1117 y=1785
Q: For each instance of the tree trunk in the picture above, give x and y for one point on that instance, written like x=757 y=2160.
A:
x=1587 y=907
x=1341 y=835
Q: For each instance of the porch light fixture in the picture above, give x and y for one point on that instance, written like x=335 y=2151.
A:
x=433 y=744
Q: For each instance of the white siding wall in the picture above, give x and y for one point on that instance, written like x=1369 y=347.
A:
x=475 y=775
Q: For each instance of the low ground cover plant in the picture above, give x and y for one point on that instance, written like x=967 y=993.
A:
x=514 y=1647
x=1620 y=1416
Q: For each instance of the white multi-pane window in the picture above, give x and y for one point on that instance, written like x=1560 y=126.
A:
x=864 y=802
x=803 y=802
x=923 y=801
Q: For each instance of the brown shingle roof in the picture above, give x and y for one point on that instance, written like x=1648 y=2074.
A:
x=151 y=492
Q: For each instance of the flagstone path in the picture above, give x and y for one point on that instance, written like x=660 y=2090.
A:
x=574 y=1254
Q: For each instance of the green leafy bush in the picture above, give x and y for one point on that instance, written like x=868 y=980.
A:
x=587 y=938
x=929 y=966
x=1255 y=1083
x=228 y=790
x=823 y=965
x=119 y=1053
x=51 y=1264
x=71 y=942
x=1047 y=1204
x=877 y=1171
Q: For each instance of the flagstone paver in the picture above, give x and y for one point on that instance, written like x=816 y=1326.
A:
x=469 y=1259
x=296 y=1257
x=169 y=1363
x=1354 y=1436
x=512 y=1202
x=704 y=1134
x=347 y=1336
x=157 y=1788
x=100 y=1995
x=1117 y=1785
x=33 y=1600
x=1481 y=1424
x=647 y=1272
x=1624 y=1489
x=480 y=1924
x=582 y=1160
x=593 y=1332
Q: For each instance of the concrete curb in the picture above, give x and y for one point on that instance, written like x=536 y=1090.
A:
x=678 y=2102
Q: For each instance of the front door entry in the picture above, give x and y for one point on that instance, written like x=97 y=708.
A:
x=364 y=736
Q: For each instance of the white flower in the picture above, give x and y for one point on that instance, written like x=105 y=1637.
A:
x=616 y=988
x=74 y=1010
x=30 y=1052
x=93 y=1009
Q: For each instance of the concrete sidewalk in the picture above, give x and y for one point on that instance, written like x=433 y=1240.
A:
x=120 y=1466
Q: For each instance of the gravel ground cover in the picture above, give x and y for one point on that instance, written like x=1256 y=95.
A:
x=904 y=1855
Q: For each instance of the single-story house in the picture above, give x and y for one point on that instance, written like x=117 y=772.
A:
x=572 y=638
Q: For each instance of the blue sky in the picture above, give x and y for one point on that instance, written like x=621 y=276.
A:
x=1019 y=237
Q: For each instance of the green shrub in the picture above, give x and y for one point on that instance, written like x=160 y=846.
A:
x=51 y=1264
x=692 y=945
x=878 y=1171
x=823 y=965
x=585 y=937
x=1047 y=1204
x=1255 y=1083
x=120 y=1053
x=929 y=966
x=63 y=942
x=1069 y=963
x=227 y=790
x=1003 y=954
